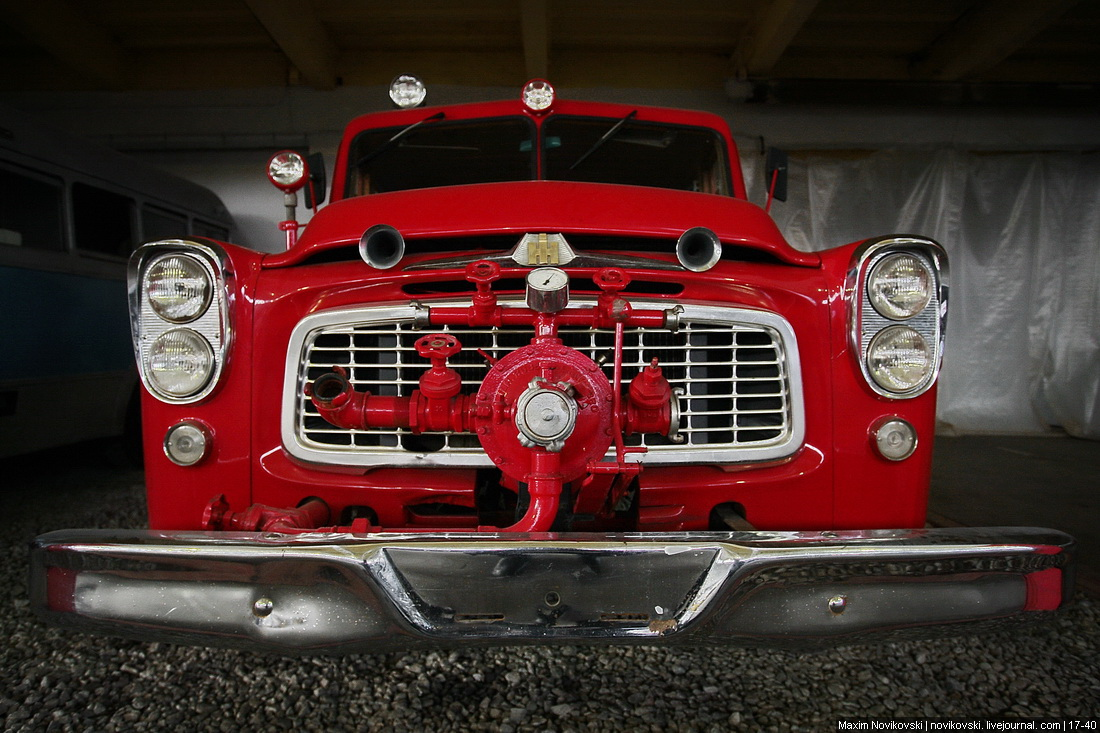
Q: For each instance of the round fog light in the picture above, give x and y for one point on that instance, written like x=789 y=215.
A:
x=895 y=439
x=185 y=444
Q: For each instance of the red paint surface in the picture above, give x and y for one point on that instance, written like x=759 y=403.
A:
x=1044 y=590
x=541 y=206
x=834 y=480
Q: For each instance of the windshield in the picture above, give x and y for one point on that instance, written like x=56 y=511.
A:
x=435 y=151
x=438 y=152
x=635 y=153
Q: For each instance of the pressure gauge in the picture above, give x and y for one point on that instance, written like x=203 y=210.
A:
x=547 y=290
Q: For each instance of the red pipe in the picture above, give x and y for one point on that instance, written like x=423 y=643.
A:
x=338 y=402
x=544 y=486
x=439 y=406
x=500 y=316
x=260 y=518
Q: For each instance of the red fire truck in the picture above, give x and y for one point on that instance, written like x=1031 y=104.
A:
x=540 y=373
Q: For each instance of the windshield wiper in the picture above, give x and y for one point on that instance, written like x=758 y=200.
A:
x=393 y=140
x=606 y=136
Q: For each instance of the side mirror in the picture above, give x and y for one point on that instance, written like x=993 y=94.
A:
x=775 y=168
x=315 y=190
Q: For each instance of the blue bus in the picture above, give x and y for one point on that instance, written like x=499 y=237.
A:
x=71 y=211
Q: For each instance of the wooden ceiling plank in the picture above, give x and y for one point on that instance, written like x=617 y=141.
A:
x=58 y=28
x=301 y=37
x=987 y=34
x=768 y=35
x=535 y=21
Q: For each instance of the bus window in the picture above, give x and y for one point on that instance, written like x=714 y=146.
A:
x=210 y=231
x=160 y=224
x=30 y=212
x=102 y=221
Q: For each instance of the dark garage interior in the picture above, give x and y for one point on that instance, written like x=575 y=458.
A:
x=973 y=122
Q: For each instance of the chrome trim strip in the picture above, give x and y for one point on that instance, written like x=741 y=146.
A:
x=215 y=324
x=342 y=593
x=580 y=260
x=294 y=377
x=860 y=332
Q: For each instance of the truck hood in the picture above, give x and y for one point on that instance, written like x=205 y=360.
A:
x=542 y=206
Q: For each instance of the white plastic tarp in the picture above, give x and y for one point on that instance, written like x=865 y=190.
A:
x=1022 y=232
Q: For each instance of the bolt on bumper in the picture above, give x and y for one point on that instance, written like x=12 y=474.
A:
x=344 y=593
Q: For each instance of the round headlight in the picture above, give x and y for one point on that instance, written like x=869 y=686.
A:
x=287 y=170
x=900 y=286
x=180 y=362
x=538 y=95
x=899 y=359
x=178 y=288
x=407 y=91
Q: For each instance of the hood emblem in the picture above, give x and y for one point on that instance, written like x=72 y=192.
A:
x=540 y=249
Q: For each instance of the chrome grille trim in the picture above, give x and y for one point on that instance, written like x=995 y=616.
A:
x=764 y=381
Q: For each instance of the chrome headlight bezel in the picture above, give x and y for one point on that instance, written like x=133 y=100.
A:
x=866 y=321
x=212 y=323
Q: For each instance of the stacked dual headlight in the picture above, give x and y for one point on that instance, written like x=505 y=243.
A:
x=899 y=323
x=180 y=318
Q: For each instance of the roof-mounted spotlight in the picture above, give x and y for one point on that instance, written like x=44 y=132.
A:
x=407 y=91
x=287 y=170
x=538 y=95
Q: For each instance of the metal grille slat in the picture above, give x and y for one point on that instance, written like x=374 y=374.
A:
x=734 y=378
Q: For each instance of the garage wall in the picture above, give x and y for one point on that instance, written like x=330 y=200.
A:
x=237 y=176
x=1022 y=231
x=222 y=139
x=1013 y=195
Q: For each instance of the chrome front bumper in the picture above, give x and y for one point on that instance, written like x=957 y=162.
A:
x=340 y=593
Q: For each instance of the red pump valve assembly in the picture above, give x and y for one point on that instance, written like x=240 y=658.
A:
x=545 y=414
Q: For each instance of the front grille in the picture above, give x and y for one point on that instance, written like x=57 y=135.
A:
x=736 y=371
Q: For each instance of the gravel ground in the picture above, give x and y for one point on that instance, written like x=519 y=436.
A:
x=55 y=680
